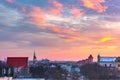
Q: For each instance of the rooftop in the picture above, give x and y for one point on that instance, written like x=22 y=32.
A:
x=107 y=59
x=17 y=61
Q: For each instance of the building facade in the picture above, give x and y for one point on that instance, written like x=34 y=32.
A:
x=117 y=63
x=106 y=61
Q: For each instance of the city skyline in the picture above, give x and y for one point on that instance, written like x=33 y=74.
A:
x=59 y=29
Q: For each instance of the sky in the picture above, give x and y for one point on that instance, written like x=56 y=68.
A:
x=59 y=29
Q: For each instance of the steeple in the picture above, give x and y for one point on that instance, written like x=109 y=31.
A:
x=98 y=57
x=34 y=58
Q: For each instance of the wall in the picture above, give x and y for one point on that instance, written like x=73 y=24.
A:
x=10 y=78
x=107 y=64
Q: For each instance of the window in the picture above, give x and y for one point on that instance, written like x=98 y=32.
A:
x=110 y=65
x=105 y=65
x=118 y=65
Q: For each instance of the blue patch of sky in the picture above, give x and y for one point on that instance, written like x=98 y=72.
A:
x=7 y=4
x=113 y=7
x=40 y=3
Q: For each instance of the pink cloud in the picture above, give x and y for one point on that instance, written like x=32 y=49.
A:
x=37 y=15
x=57 y=7
x=95 y=5
x=23 y=9
x=10 y=1
x=57 y=30
x=68 y=35
x=77 y=12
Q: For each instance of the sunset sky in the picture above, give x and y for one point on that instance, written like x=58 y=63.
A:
x=59 y=29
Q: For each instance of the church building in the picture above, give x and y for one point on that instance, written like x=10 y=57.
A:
x=106 y=61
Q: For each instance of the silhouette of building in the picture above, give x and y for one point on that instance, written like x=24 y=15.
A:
x=89 y=60
x=2 y=68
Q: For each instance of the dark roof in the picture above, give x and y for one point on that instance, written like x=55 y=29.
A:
x=90 y=56
x=17 y=62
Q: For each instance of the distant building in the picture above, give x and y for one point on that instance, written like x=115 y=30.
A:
x=44 y=61
x=2 y=68
x=89 y=60
x=117 y=63
x=106 y=61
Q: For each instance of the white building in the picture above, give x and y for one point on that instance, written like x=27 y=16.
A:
x=106 y=61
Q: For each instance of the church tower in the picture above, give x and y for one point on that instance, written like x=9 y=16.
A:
x=34 y=58
x=90 y=58
x=98 y=58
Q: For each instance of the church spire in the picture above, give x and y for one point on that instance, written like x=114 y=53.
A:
x=34 y=57
x=98 y=57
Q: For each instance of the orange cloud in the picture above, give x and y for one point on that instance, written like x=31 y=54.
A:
x=67 y=34
x=57 y=7
x=95 y=5
x=106 y=39
x=37 y=15
x=77 y=12
x=10 y=1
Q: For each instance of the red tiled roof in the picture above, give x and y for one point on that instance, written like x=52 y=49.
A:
x=17 y=62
